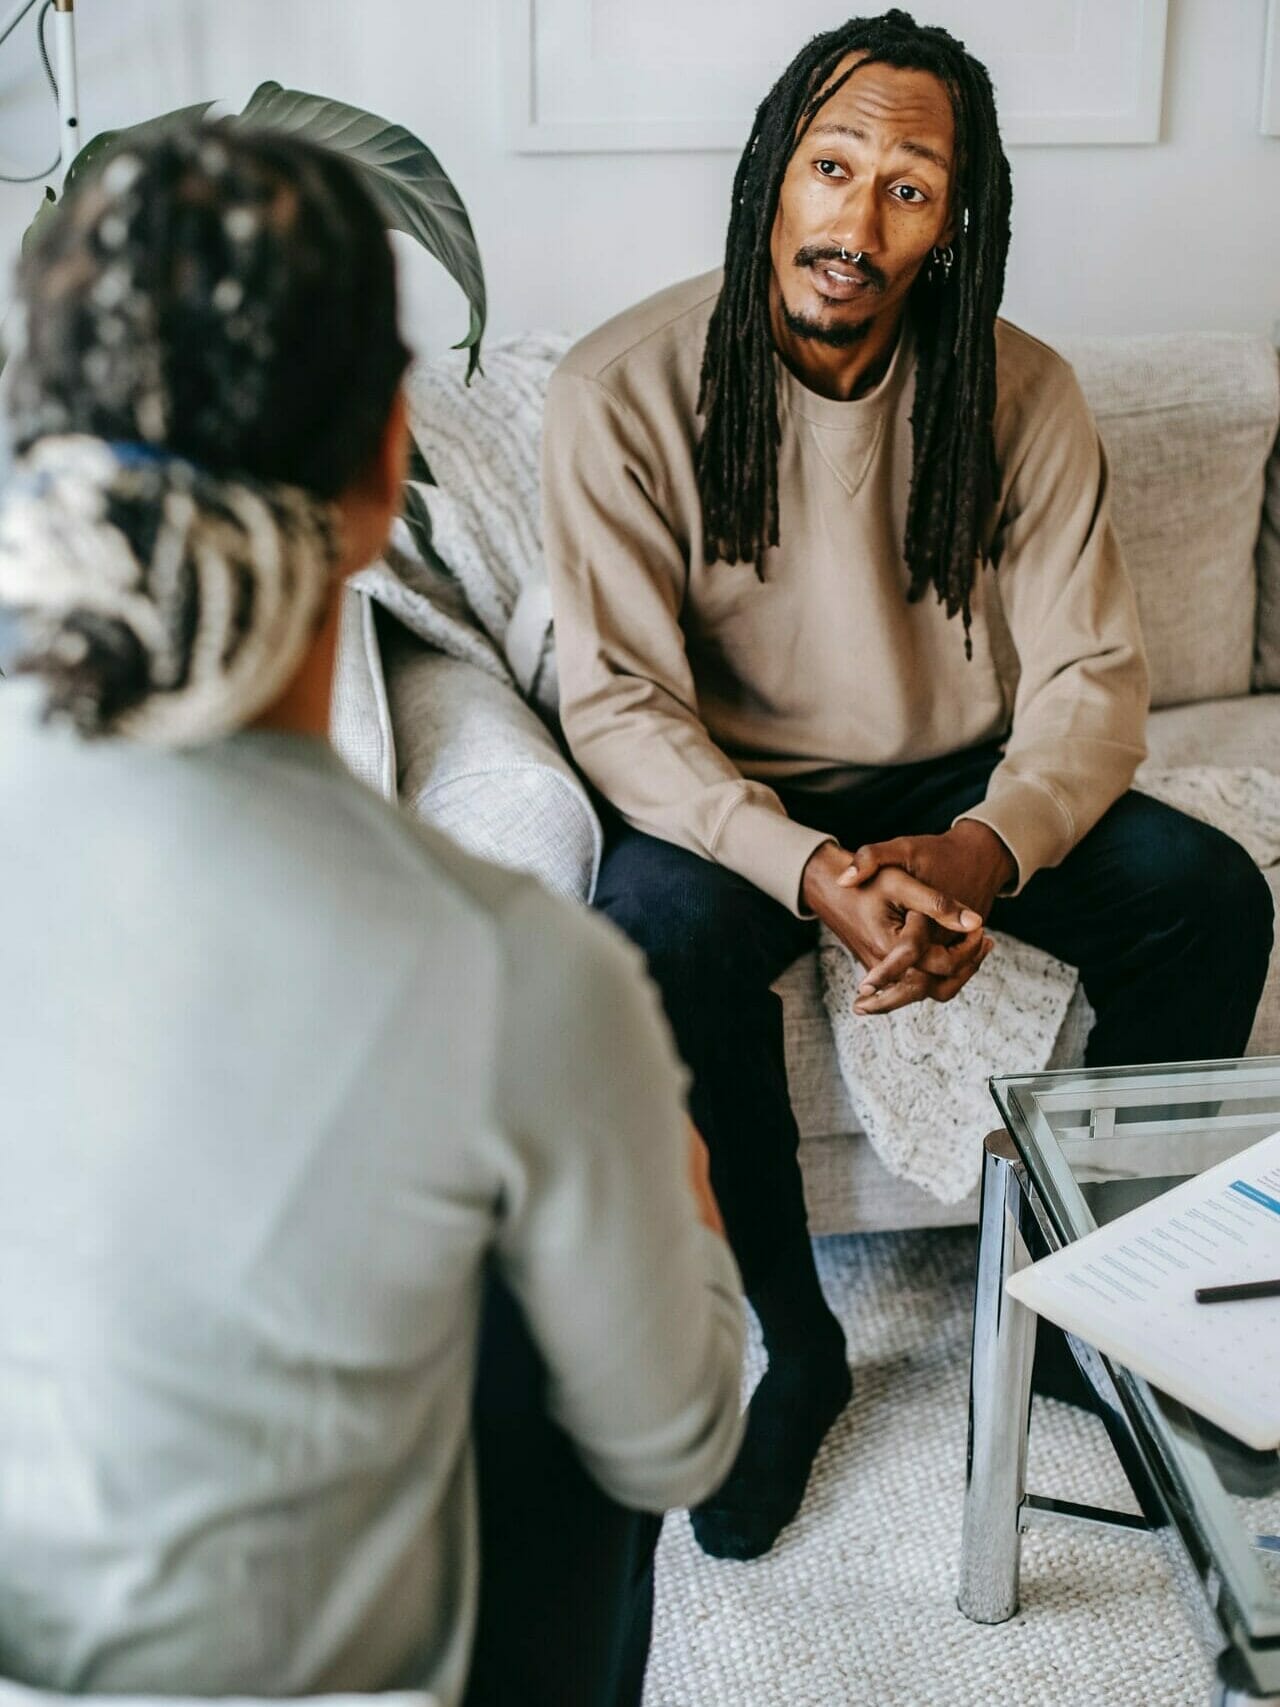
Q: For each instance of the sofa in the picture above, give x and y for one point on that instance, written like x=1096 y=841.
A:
x=1189 y=423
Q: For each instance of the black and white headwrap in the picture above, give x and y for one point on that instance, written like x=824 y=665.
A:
x=156 y=600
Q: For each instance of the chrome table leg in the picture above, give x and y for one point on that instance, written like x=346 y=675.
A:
x=999 y=1395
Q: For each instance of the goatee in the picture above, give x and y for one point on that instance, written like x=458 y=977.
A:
x=842 y=335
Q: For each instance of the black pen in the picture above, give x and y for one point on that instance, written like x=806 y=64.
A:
x=1245 y=1289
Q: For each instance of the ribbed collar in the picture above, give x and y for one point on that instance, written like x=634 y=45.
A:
x=859 y=412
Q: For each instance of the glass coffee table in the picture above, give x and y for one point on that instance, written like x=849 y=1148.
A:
x=1080 y=1148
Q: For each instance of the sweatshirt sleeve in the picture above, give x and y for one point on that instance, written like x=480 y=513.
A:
x=1079 y=715
x=635 y=1304
x=628 y=704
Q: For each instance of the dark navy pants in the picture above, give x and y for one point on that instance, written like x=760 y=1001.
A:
x=566 y=1573
x=1168 y=920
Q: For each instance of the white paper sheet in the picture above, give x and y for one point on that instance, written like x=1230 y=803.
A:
x=1129 y=1289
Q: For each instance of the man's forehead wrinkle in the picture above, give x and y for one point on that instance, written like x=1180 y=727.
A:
x=908 y=144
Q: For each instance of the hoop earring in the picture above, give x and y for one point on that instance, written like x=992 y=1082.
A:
x=943 y=259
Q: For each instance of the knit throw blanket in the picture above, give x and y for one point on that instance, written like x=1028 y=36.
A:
x=917 y=1078
x=480 y=591
x=154 y=599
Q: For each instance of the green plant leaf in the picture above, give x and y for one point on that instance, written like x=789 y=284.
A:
x=408 y=183
x=48 y=202
x=102 y=145
x=94 y=150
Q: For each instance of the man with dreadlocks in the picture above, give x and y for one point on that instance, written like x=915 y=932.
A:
x=768 y=494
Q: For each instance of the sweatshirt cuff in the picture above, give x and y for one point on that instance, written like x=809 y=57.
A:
x=769 y=849
x=1032 y=823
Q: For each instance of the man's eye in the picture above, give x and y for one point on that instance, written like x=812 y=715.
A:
x=828 y=168
x=909 y=194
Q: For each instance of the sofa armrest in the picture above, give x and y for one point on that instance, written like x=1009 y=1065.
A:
x=475 y=762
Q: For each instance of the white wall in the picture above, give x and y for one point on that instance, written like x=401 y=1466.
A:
x=1184 y=233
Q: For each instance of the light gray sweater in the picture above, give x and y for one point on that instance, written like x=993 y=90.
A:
x=278 y=1070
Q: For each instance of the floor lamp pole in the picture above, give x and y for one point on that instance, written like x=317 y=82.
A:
x=64 y=54
x=64 y=48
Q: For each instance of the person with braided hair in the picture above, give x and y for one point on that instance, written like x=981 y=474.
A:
x=769 y=494
x=354 y=1329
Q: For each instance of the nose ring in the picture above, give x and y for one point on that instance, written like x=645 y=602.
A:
x=854 y=259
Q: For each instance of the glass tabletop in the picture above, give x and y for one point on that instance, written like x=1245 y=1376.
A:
x=1097 y=1143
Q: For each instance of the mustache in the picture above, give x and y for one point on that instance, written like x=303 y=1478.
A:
x=811 y=255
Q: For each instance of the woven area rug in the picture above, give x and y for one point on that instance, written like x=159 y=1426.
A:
x=856 y=1604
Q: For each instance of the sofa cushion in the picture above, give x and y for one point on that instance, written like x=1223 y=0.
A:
x=1188 y=421
x=476 y=762
x=1266 y=660
x=1239 y=731
x=848 y=1189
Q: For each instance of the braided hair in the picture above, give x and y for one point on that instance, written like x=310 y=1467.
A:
x=954 y=478
x=224 y=294
x=206 y=358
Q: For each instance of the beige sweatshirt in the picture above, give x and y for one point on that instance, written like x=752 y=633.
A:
x=687 y=688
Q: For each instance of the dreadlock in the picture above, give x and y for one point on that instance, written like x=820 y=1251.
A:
x=954 y=477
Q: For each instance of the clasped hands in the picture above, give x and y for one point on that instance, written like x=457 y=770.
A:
x=912 y=910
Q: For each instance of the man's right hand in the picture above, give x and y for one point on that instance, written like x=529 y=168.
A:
x=946 y=937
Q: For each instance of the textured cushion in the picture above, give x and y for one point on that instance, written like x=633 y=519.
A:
x=848 y=1189
x=476 y=762
x=1188 y=421
x=1241 y=731
x=359 y=717
x=1266 y=663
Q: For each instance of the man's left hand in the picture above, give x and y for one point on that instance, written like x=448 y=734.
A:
x=968 y=861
